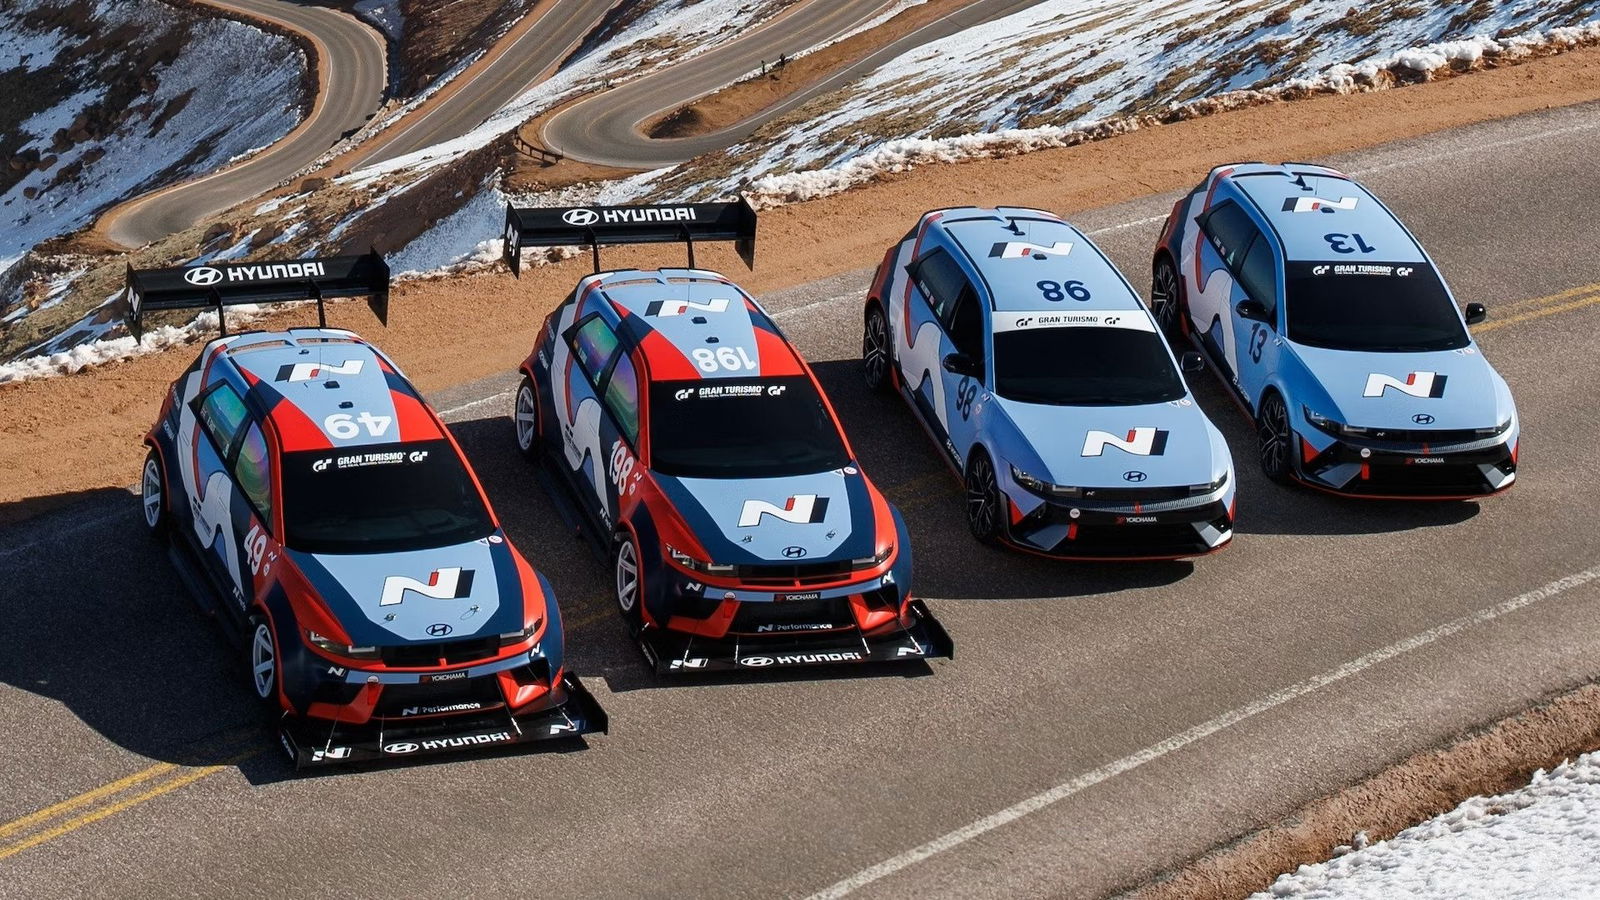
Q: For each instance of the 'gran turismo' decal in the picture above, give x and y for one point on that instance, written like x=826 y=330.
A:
x=801 y=509
x=1317 y=204
x=1021 y=249
x=307 y=370
x=452 y=583
x=1418 y=384
x=1139 y=442
x=664 y=308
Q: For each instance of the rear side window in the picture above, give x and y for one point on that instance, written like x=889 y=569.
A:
x=622 y=398
x=941 y=280
x=253 y=470
x=594 y=343
x=1258 y=275
x=1230 y=231
x=222 y=412
x=966 y=326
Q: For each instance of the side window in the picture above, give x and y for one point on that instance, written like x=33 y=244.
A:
x=941 y=281
x=966 y=325
x=222 y=412
x=1258 y=275
x=594 y=343
x=1230 y=230
x=253 y=470
x=622 y=398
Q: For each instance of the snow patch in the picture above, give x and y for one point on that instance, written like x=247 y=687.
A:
x=385 y=14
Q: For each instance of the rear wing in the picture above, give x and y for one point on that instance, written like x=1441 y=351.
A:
x=230 y=284
x=591 y=226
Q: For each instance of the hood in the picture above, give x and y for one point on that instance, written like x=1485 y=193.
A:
x=789 y=520
x=1439 y=389
x=1149 y=445
x=439 y=594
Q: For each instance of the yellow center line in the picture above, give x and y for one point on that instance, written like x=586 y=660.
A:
x=1551 y=298
x=83 y=799
x=1538 y=313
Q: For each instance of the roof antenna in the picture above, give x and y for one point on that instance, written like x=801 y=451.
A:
x=1013 y=227
x=1300 y=179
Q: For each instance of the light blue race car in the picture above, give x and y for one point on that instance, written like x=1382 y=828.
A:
x=1046 y=384
x=1334 y=330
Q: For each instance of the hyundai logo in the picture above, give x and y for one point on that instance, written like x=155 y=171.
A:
x=1422 y=419
x=400 y=747
x=756 y=661
x=439 y=629
x=580 y=217
x=1134 y=476
x=204 y=276
x=793 y=552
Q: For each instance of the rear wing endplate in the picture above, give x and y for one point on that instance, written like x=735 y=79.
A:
x=219 y=285
x=591 y=226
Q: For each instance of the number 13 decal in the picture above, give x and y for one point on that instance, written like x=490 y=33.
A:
x=1258 y=340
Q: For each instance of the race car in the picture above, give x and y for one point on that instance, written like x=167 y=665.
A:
x=1331 y=326
x=321 y=511
x=687 y=438
x=1045 y=384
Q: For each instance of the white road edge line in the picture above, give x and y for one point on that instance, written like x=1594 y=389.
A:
x=1199 y=732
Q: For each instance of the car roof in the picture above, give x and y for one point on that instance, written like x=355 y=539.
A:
x=1306 y=203
x=1016 y=248
x=672 y=315
x=301 y=378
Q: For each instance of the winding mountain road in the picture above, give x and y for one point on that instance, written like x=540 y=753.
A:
x=606 y=128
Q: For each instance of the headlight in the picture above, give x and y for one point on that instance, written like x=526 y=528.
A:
x=698 y=565
x=873 y=561
x=1331 y=425
x=338 y=649
x=1491 y=432
x=1044 y=488
x=512 y=638
x=1196 y=490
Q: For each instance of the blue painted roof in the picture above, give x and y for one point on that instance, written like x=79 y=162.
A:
x=1015 y=249
x=1316 y=210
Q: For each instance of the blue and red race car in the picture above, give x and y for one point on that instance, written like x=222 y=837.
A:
x=692 y=443
x=321 y=511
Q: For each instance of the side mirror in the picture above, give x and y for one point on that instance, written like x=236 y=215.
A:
x=1193 y=362
x=1476 y=312
x=1253 y=310
x=962 y=364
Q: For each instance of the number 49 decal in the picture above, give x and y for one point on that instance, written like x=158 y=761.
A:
x=343 y=426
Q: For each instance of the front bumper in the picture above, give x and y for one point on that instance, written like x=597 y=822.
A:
x=1134 y=532
x=918 y=635
x=1405 y=471
x=314 y=742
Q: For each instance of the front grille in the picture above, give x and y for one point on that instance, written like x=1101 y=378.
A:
x=783 y=616
x=1442 y=479
x=1136 y=495
x=1133 y=540
x=397 y=699
x=443 y=653
x=1420 y=436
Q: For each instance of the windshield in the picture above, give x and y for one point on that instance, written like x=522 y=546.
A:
x=742 y=428
x=1372 y=306
x=380 y=499
x=1084 y=366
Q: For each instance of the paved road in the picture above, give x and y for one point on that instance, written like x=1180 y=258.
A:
x=353 y=78
x=1163 y=708
x=605 y=128
x=526 y=56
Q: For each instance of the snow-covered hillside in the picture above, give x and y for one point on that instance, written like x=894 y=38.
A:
x=205 y=91
x=1539 y=841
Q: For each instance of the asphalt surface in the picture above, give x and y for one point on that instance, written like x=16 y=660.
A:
x=531 y=54
x=1099 y=724
x=355 y=76
x=605 y=128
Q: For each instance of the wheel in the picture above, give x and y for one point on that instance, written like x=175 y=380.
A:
x=525 y=415
x=1164 y=291
x=629 y=578
x=262 y=655
x=153 y=495
x=875 y=349
x=983 y=499
x=1272 y=438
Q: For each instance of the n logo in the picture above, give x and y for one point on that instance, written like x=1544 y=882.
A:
x=1139 y=442
x=1019 y=249
x=306 y=371
x=1317 y=204
x=664 y=308
x=1417 y=384
x=453 y=583
x=801 y=509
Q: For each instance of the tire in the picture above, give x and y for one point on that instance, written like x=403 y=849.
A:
x=628 y=579
x=876 y=357
x=153 y=495
x=261 y=659
x=1166 y=292
x=1273 y=438
x=984 y=501
x=525 y=418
